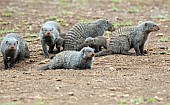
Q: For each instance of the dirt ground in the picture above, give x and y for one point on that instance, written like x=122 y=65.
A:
x=114 y=79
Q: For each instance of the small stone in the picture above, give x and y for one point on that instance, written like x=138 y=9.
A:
x=17 y=89
x=1 y=91
x=159 y=34
x=112 y=94
x=88 y=83
x=58 y=80
x=158 y=98
x=112 y=89
x=99 y=80
x=162 y=47
x=111 y=68
x=126 y=95
x=27 y=72
x=70 y=93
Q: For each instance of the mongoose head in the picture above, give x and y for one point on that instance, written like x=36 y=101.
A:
x=105 y=24
x=87 y=52
x=12 y=44
x=89 y=41
x=149 y=26
x=47 y=31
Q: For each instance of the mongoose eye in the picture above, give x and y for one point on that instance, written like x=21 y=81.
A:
x=154 y=25
x=9 y=43
x=14 y=44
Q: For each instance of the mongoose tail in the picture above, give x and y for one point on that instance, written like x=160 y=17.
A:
x=103 y=53
x=45 y=67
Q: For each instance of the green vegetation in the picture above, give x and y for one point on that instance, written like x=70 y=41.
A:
x=5 y=31
x=164 y=39
x=5 y=23
x=7 y=13
x=122 y=102
x=62 y=22
x=10 y=103
x=51 y=18
x=119 y=24
x=138 y=100
x=116 y=1
x=114 y=8
x=135 y=10
x=165 y=18
x=29 y=37
x=151 y=100
x=41 y=102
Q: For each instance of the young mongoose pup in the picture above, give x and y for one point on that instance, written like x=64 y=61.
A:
x=13 y=49
x=96 y=43
x=71 y=60
x=49 y=34
x=122 y=42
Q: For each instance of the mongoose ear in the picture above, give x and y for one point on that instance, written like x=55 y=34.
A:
x=146 y=24
x=52 y=29
x=42 y=29
x=17 y=42
x=6 y=42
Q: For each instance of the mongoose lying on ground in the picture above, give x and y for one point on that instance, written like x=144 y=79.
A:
x=131 y=38
x=49 y=34
x=96 y=43
x=71 y=60
x=13 y=49
x=74 y=39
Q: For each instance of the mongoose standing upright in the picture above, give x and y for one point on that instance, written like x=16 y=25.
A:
x=74 y=39
x=49 y=34
x=131 y=38
x=96 y=43
x=71 y=60
x=13 y=49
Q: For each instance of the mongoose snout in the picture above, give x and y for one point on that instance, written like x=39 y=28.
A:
x=90 y=55
x=156 y=28
x=12 y=48
x=48 y=34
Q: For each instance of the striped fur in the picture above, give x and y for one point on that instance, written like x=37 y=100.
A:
x=74 y=39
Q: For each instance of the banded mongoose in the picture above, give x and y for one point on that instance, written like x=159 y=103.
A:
x=60 y=43
x=49 y=34
x=131 y=38
x=96 y=43
x=71 y=60
x=74 y=39
x=13 y=49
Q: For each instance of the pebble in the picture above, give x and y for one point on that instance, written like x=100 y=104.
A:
x=158 y=98
x=112 y=89
x=70 y=93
